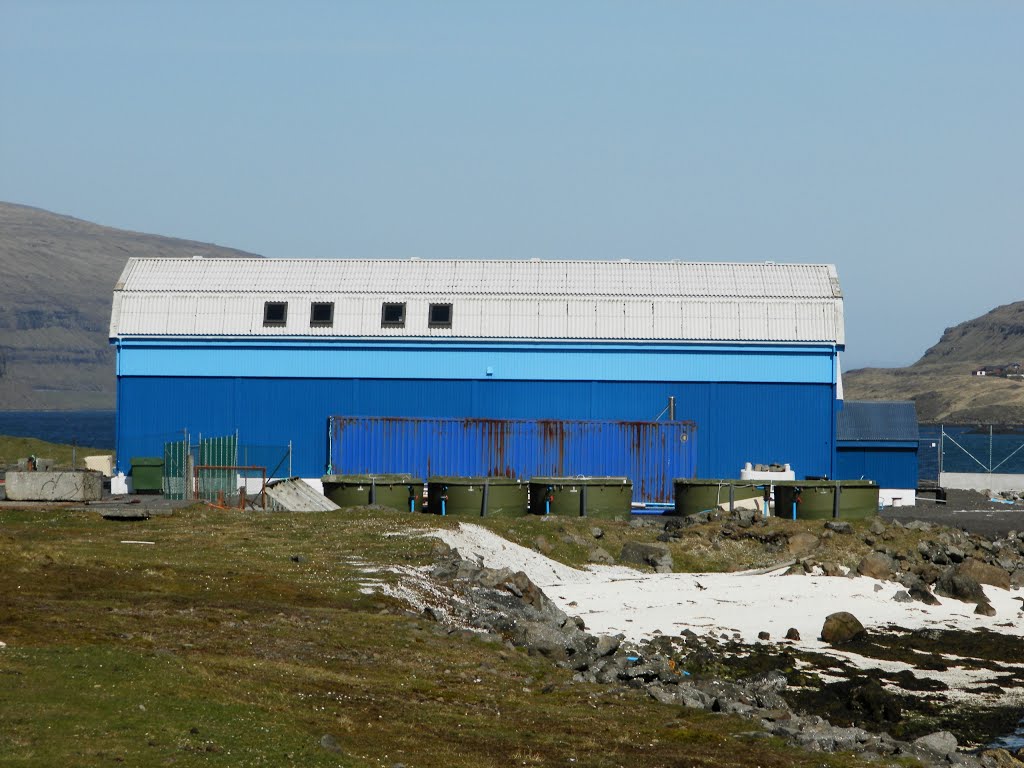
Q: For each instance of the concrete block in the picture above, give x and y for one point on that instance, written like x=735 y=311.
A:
x=102 y=464
x=54 y=486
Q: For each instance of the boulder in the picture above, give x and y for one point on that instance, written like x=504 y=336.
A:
x=960 y=587
x=837 y=526
x=792 y=633
x=876 y=565
x=600 y=555
x=984 y=573
x=940 y=743
x=607 y=645
x=985 y=609
x=841 y=627
x=998 y=758
x=657 y=556
x=800 y=543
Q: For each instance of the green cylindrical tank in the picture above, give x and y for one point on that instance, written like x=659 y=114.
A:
x=402 y=492
x=815 y=499
x=465 y=496
x=694 y=496
x=581 y=496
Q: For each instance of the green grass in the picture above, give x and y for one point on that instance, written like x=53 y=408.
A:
x=14 y=448
x=213 y=646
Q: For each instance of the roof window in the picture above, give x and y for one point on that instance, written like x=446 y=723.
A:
x=440 y=316
x=392 y=315
x=321 y=314
x=275 y=314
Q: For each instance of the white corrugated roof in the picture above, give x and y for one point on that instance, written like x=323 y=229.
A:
x=602 y=300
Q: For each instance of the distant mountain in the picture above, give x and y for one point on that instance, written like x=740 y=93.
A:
x=58 y=275
x=941 y=382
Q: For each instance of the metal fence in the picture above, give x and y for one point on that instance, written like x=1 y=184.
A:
x=214 y=468
x=964 y=449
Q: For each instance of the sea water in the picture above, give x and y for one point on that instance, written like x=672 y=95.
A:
x=92 y=429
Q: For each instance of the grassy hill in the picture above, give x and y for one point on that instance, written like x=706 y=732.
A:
x=59 y=273
x=941 y=382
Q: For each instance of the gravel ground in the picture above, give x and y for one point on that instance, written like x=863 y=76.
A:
x=968 y=510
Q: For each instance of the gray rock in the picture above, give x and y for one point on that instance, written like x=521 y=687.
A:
x=792 y=633
x=918 y=525
x=902 y=596
x=801 y=543
x=918 y=589
x=985 y=609
x=838 y=526
x=959 y=587
x=542 y=545
x=877 y=527
x=1017 y=578
x=330 y=743
x=940 y=743
x=541 y=638
x=597 y=533
x=876 y=565
x=841 y=627
x=639 y=553
x=601 y=556
x=607 y=645
x=1008 y=564
x=983 y=573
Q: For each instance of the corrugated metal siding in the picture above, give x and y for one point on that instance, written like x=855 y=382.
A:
x=497 y=317
x=650 y=454
x=388 y=360
x=517 y=299
x=760 y=423
x=527 y=277
x=878 y=420
x=889 y=467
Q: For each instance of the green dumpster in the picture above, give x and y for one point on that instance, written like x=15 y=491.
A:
x=478 y=496
x=816 y=499
x=147 y=474
x=581 y=496
x=694 y=496
x=401 y=492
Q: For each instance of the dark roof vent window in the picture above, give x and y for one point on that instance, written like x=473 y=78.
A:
x=321 y=314
x=440 y=316
x=275 y=314
x=392 y=316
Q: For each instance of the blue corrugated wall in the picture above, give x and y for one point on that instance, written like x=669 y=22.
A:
x=736 y=422
x=889 y=466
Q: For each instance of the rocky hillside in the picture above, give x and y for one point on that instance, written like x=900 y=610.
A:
x=58 y=275
x=941 y=382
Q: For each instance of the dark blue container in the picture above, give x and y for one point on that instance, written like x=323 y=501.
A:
x=650 y=453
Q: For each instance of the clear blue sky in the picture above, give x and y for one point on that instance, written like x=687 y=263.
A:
x=886 y=137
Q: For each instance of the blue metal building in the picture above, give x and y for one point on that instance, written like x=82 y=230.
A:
x=878 y=440
x=271 y=348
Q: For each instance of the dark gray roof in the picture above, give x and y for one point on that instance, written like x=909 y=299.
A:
x=876 y=420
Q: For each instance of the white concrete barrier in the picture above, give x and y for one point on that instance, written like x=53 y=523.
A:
x=981 y=481
x=54 y=486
